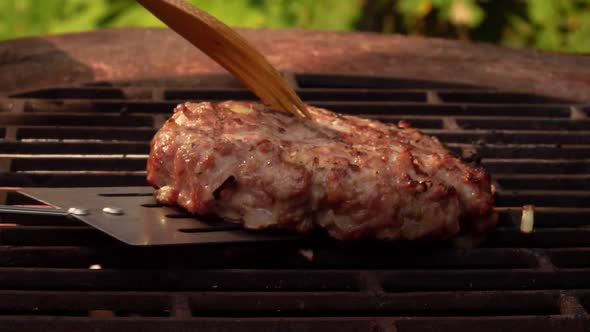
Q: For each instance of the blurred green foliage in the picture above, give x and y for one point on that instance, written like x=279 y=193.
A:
x=562 y=25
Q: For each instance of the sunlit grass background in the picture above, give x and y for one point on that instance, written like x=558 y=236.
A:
x=562 y=25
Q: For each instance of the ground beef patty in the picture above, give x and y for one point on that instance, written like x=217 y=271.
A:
x=355 y=178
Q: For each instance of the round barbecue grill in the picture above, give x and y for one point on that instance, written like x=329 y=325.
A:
x=79 y=111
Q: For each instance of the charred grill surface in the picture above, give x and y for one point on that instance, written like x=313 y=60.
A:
x=536 y=150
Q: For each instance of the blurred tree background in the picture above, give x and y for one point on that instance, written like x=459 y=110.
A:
x=561 y=25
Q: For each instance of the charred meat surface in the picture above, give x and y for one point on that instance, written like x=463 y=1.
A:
x=355 y=178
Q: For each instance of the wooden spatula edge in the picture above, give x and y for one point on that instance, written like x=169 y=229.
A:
x=226 y=47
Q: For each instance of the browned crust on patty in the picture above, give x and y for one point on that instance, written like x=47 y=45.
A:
x=353 y=177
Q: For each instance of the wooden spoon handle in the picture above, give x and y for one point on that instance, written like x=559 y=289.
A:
x=230 y=50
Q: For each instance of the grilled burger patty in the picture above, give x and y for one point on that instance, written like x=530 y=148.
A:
x=355 y=178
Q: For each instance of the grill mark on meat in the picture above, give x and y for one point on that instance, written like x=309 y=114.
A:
x=353 y=177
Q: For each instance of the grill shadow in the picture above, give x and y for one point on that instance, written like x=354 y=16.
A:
x=83 y=304
x=359 y=305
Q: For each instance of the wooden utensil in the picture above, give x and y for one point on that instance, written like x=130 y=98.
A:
x=230 y=50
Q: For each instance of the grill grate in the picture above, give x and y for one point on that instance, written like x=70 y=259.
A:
x=537 y=149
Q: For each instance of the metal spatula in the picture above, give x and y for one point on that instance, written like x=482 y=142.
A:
x=131 y=215
x=230 y=50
